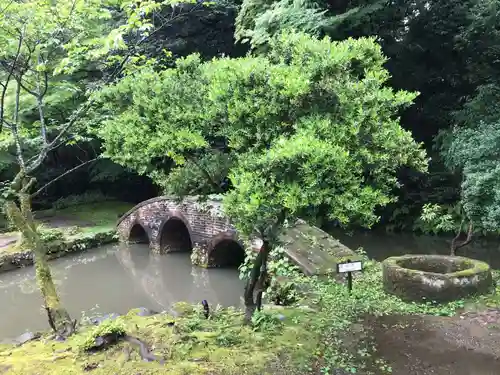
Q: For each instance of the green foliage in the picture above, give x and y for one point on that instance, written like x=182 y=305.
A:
x=227 y=339
x=312 y=124
x=108 y=327
x=475 y=152
x=283 y=273
x=258 y=22
x=76 y=200
x=282 y=291
x=436 y=219
x=267 y=321
x=328 y=159
x=50 y=235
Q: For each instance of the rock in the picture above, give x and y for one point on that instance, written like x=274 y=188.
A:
x=98 y=320
x=59 y=338
x=102 y=342
x=340 y=371
x=143 y=311
x=436 y=278
x=90 y=366
x=26 y=337
x=4 y=368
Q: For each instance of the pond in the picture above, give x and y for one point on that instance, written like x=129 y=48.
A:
x=381 y=245
x=114 y=279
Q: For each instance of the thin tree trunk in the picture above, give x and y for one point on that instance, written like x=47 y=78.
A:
x=256 y=283
x=455 y=245
x=21 y=216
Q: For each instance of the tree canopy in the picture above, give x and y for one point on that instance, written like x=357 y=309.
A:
x=474 y=151
x=311 y=125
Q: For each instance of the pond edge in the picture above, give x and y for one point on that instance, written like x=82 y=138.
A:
x=21 y=259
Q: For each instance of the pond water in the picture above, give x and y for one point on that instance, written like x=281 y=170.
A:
x=381 y=245
x=117 y=278
x=114 y=279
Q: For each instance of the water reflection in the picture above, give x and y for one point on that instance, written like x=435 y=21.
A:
x=114 y=279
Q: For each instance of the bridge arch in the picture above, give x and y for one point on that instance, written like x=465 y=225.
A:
x=175 y=234
x=138 y=234
x=225 y=250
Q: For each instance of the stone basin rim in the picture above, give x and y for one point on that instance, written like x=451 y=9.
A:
x=476 y=266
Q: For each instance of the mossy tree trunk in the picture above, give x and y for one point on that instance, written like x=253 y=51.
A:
x=18 y=210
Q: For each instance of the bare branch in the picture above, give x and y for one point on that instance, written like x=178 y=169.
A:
x=6 y=6
x=454 y=245
x=28 y=186
x=468 y=240
x=39 y=100
x=9 y=76
x=15 y=130
x=62 y=176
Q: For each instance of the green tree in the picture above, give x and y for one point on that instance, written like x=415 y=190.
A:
x=311 y=126
x=33 y=34
x=259 y=21
x=42 y=44
x=474 y=152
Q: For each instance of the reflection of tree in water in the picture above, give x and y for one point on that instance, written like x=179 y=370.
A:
x=201 y=281
x=27 y=284
x=148 y=276
x=166 y=289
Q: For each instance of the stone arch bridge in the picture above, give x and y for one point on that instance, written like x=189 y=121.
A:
x=168 y=224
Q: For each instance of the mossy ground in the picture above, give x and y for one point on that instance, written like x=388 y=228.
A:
x=84 y=220
x=330 y=334
x=193 y=345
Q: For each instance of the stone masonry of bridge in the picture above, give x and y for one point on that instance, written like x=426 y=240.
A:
x=200 y=227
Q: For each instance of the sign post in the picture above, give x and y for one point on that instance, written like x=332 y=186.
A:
x=349 y=267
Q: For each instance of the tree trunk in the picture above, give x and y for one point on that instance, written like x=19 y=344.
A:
x=22 y=217
x=256 y=283
x=455 y=245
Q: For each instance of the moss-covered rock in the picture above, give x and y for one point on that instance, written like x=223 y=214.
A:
x=436 y=278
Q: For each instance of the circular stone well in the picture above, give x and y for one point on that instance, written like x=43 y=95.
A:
x=437 y=278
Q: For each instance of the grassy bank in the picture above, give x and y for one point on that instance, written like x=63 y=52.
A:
x=67 y=225
x=323 y=333
x=193 y=345
x=65 y=231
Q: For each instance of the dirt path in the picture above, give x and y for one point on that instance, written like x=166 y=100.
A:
x=462 y=345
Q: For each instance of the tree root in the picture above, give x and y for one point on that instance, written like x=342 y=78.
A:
x=66 y=326
x=143 y=349
x=103 y=342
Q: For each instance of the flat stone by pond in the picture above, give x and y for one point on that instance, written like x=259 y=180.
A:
x=438 y=278
x=113 y=279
